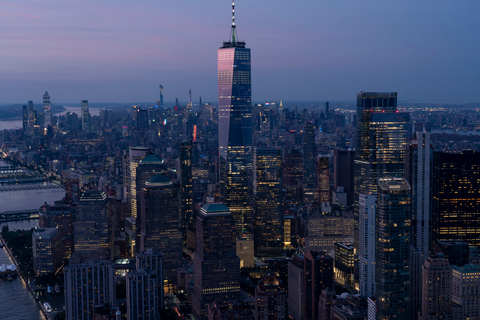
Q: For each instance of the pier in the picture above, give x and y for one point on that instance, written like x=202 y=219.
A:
x=8 y=216
x=20 y=187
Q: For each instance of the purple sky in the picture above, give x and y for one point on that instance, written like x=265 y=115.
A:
x=119 y=51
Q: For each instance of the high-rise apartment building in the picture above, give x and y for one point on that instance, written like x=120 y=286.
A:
x=85 y=116
x=88 y=285
x=235 y=137
x=47 y=112
x=317 y=276
x=418 y=169
x=216 y=267
x=186 y=185
x=160 y=225
x=456 y=200
x=392 y=252
x=367 y=241
x=381 y=139
x=268 y=201
x=92 y=233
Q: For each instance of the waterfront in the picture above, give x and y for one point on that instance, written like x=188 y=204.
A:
x=17 y=124
x=17 y=300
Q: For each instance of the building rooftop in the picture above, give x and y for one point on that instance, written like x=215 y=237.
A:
x=151 y=159
x=44 y=233
x=215 y=208
x=158 y=180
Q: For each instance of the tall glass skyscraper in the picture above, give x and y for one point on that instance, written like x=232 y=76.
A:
x=381 y=140
x=235 y=131
x=47 y=109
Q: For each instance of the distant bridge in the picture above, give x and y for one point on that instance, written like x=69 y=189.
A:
x=18 y=215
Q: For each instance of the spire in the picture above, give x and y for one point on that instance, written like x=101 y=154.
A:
x=233 y=22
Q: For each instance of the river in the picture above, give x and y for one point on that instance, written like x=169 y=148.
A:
x=17 y=302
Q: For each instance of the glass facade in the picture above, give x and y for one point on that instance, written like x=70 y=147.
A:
x=392 y=251
x=235 y=131
x=268 y=205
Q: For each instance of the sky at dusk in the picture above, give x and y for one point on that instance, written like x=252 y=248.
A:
x=120 y=51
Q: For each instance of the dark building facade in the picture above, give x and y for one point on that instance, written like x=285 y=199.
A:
x=343 y=172
x=317 y=276
x=160 y=225
x=392 y=252
x=186 y=184
x=216 y=267
x=309 y=157
x=268 y=196
x=456 y=199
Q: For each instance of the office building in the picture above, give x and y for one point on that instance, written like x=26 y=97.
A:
x=436 y=292
x=25 y=119
x=466 y=290
x=232 y=310
x=456 y=200
x=149 y=166
x=326 y=227
x=160 y=225
x=92 y=233
x=325 y=302
x=186 y=185
x=268 y=201
x=235 y=137
x=418 y=169
x=344 y=264
x=150 y=260
x=415 y=282
x=293 y=168
x=323 y=176
x=142 y=295
x=392 y=252
x=309 y=157
x=317 y=276
x=47 y=112
x=31 y=117
x=62 y=217
x=295 y=288
x=270 y=299
x=88 y=285
x=216 y=267
x=85 y=116
x=141 y=117
x=367 y=243
x=381 y=140
x=343 y=163
x=47 y=253
x=289 y=233
x=135 y=155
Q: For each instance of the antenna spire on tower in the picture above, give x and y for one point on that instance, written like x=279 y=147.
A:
x=233 y=21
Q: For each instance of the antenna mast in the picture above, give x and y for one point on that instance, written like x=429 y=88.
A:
x=233 y=22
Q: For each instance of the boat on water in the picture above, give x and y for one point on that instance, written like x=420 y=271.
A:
x=47 y=307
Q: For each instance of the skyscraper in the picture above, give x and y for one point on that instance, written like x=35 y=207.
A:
x=31 y=116
x=381 y=139
x=92 y=236
x=85 y=116
x=186 y=185
x=25 y=119
x=160 y=225
x=418 y=168
x=87 y=285
x=142 y=295
x=270 y=298
x=268 y=206
x=216 y=267
x=235 y=134
x=367 y=207
x=309 y=157
x=135 y=155
x=343 y=172
x=456 y=200
x=323 y=176
x=392 y=251
x=47 y=110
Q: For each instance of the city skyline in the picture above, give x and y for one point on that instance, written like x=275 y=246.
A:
x=317 y=51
